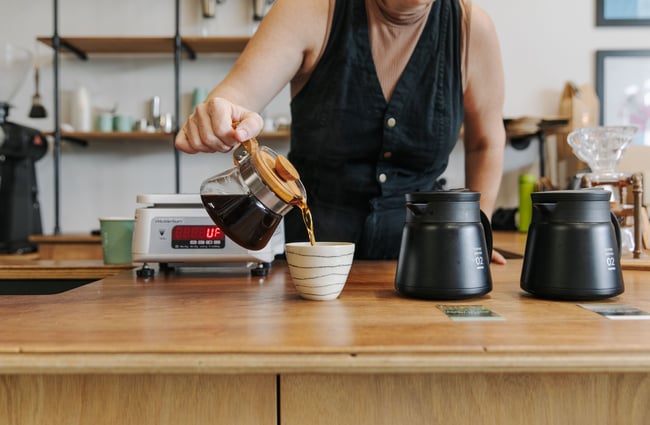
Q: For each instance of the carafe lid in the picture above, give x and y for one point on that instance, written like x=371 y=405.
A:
x=276 y=171
x=583 y=195
x=453 y=195
x=573 y=206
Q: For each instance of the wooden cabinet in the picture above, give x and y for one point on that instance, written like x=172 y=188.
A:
x=68 y=247
x=162 y=399
x=465 y=398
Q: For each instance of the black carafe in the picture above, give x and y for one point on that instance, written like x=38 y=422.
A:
x=446 y=247
x=572 y=247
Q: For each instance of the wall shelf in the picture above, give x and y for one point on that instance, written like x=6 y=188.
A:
x=275 y=135
x=85 y=46
x=132 y=136
x=175 y=46
x=146 y=137
x=206 y=45
x=141 y=136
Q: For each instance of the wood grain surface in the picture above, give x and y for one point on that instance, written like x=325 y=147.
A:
x=224 y=321
x=59 y=269
x=485 y=399
x=203 y=347
x=137 y=399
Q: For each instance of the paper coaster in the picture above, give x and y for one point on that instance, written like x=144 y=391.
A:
x=469 y=312
x=617 y=311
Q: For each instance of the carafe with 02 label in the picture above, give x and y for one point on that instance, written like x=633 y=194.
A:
x=573 y=246
x=446 y=247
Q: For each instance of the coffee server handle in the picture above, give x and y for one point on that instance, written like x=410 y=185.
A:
x=487 y=230
x=617 y=231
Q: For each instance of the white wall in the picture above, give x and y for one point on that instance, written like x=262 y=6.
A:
x=544 y=45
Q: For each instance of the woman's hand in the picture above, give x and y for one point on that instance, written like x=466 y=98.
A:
x=497 y=258
x=210 y=128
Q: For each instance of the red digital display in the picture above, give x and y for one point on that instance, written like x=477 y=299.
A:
x=197 y=233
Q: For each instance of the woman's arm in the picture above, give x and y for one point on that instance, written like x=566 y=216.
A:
x=485 y=136
x=288 y=39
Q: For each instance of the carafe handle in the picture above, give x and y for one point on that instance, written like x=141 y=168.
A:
x=617 y=232
x=487 y=230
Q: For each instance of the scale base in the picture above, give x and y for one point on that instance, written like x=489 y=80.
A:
x=255 y=269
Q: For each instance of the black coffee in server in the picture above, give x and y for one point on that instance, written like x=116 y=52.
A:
x=573 y=246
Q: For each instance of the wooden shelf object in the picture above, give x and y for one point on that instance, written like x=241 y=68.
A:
x=84 y=46
x=134 y=136
x=205 y=45
x=275 y=135
x=68 y=247
x=145 y=137
x=60 y=269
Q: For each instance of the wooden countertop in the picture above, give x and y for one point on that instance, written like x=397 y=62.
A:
x=16 y=268
x=235 y=323
x=67 y=238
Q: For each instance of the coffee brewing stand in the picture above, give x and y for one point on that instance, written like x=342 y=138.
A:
x=622 y=183
x=601 y=148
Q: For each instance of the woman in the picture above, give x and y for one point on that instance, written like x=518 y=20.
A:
x=380 y=89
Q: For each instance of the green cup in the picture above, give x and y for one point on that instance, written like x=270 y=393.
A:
x=198 y=96
x=122 y=123
x=104 y=123
x=117 y=235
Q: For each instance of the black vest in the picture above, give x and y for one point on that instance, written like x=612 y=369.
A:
x=345 y=136
x=359 y=155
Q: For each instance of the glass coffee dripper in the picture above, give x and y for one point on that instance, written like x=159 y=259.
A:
x=601 y=148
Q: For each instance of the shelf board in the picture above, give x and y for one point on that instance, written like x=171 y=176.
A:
x=114 y=45
x=83 y=46
x=133 y=136
x=275 y=135
x=215 y=44
x=140 y=136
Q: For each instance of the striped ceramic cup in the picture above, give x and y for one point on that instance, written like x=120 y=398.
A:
x=319 y=272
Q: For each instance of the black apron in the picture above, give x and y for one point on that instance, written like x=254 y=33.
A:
x=359 y=155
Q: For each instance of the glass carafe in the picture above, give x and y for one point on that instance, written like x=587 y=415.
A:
x=249 y=200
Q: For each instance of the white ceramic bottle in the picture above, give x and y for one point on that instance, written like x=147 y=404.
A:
x=81 y=110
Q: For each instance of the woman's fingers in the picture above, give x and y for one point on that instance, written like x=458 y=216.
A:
x=210 y=127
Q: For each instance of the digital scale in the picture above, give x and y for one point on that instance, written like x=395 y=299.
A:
x=175 y=230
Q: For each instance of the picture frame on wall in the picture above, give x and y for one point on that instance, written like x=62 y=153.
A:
x=622 y=13
x=623 y=88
